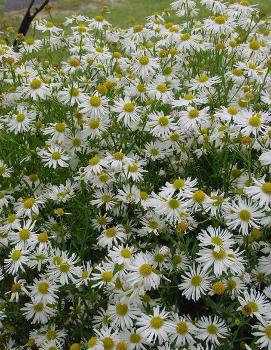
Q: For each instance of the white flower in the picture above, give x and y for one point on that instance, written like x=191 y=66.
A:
x=243 y=215
x=141 y=272
x=54 y=157
x=263 y=332
x=154 y=327
x=211 y=330
x=260 y=191
x=196 y=282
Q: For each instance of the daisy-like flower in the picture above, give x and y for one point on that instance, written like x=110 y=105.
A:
x=122 y=314
x=160 y=91
x=196 y=282
x=212 y=330
x=96 y=106
x=53 y=157
x=111 y=236
x=243 y=216
x=36 y=89
x=221 y=260
x=39 y=312
x=179 y=188
x=71 y=95
x=25 y=236
x=62 y=267
x=216 y=237
x=222 y=24
x=260 y=191
x=193 y=118
x=160 y=125
x=183 y=331
x=169 y=207
x=141 y=272
x=43 y=290
x=28 y=206
x=252 y=123
x=127 y=111
x=18 y=257
x=203 y=82
x=154 y=327
x=144 y=65
x=57 y=131
x=263 y=332
x=254 y=303
x=5 y=171
x=21 y=121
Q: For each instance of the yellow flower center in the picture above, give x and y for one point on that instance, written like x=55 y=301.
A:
x=244 y=215
x=231 y=284
x=173 y=203
x=125 y=253
x=268 y=331
x=196 y=280
x=43 y=287
x=39 y=307
x=135 y=338
x=157 y=322
x=212 y=329
x=56 y=155
x=94 y=160
x=74 y=92
x=145 y=270
x=217 y=240
x=219 y=255
x=179 y=183
x=218 y=288
x=203 y=78
x=74 y=62
x=111 y=232
x=159 y=257
x=118 y=155
x=98 y=18
x=92 y=342
x=108 y=343
x=232 y=110
x=181 y=327
x=163 y=121
x=35 y=84
x=16 y=288
x=60 y=127
x=254 y=45
x=266 y=188
x=193 y=113
x=43 y=237
x=121 y=309
x=255 y=121
x=95 y=101
x=106 y=198
x=129 y=107
x=24 y=234
x=161 y=88
x=29 y=202
x=122 y=345
x=107 y=276
x=138 y=28
x=20 y=117
x=94 y=123
x=220 y=19
x=49 y=24
x=144 y=60
x=64 y=267
x=185 y=36
x=199 y=196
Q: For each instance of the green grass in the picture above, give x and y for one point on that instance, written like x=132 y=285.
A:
x=123 y=14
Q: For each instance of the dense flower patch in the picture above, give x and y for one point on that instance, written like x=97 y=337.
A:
x=135 y=183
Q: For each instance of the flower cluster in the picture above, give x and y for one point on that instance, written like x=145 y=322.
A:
x=135 y=198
